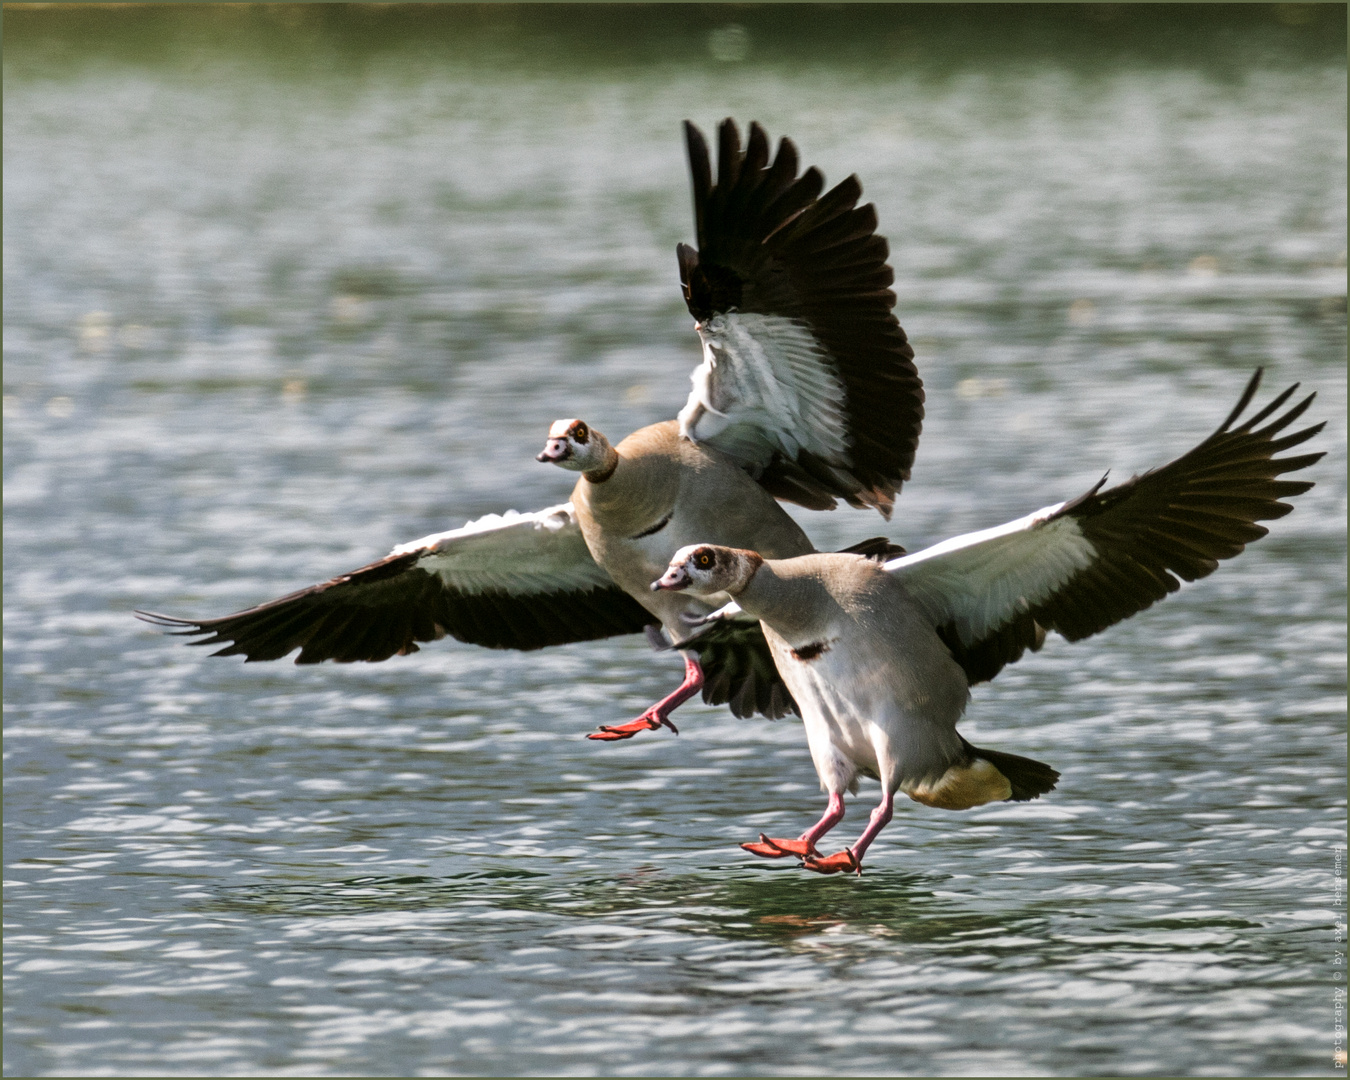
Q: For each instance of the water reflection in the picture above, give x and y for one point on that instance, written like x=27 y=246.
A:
x=756 y=905
x=759 y=905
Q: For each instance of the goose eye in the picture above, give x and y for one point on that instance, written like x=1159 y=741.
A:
x=704 y=560
x=580 y=433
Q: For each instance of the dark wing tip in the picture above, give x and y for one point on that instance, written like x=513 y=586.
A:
x=700 y=175
x=1178 y=521
x=1244 y=400
x=694 y=141
x=175 y=626
x=1181 y=519
x=770 y=243
x=154 y=618
x=728 y=154
x=687 y=258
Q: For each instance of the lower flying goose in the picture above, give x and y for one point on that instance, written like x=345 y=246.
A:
x=807 y=392
x=880 y=656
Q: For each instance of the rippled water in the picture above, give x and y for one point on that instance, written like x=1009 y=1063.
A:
x=261 y=324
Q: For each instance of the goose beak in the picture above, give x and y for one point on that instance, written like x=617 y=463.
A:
x=554 y=451
x=677 y=577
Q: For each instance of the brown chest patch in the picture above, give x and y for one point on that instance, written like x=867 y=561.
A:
x=810 y=652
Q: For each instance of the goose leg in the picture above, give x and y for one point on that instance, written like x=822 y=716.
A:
x=659 y=714
x=805 y=846
x=851 y=858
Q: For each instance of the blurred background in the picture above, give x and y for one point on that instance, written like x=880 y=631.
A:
x=286 y=285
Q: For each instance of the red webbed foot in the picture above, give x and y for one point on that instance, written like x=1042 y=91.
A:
x=770 y=848
x=832 y=864
x=646 y=722
x=658 y=715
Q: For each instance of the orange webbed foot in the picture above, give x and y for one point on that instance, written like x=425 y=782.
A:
x=645 y=722
x=770 y=848
x=832 y=864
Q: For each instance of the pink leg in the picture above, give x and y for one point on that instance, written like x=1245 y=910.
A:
x=658 y=714
x=851 y=858
x=805 y=846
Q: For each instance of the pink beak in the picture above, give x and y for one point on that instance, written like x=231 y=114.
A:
x=676 y=577
x=554 y=451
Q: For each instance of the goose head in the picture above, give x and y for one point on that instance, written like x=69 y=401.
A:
x=704 y=569
x=577 y=447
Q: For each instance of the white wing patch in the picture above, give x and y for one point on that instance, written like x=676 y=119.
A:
x=521 y=554
x=698 y=625
x=765 y=385
x=981 y=580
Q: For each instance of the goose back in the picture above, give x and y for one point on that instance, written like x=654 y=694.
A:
x=667 y=492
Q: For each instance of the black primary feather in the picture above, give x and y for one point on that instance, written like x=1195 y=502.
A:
x=1176 y=521
x=770 y=243
x=385 y=608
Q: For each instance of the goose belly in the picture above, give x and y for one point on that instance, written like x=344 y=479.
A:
x=867 y=713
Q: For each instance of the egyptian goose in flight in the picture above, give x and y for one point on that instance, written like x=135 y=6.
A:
x=807 y=392
x=880 y=656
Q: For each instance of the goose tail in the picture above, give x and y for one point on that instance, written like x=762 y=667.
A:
x=1029 y=779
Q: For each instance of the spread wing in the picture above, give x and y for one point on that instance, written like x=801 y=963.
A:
x=807 y=378
x=1081 y=566
x=508 y=581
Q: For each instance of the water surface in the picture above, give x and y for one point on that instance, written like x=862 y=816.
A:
x=269 y=313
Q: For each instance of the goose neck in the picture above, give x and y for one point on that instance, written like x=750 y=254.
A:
x=600 y=475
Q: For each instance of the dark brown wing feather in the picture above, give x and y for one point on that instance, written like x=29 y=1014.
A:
x=770 y=243
x=1177 y=521
x=384 y=609
x=738 y=670
x=876 y=548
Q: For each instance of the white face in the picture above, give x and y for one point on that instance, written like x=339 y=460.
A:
x=572 y=445
x=691 y=568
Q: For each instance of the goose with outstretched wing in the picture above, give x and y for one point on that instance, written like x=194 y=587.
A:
x=506 y=581
x=807 y=378
x=807 y=392
x=880 y=656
